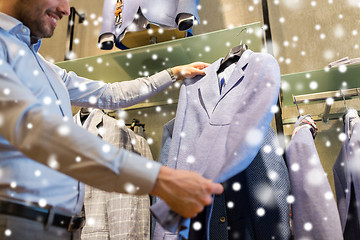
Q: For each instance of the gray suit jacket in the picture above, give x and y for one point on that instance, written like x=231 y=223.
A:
x=314 y=200
x=219 y=135
x=115 y=215
x=160 y=12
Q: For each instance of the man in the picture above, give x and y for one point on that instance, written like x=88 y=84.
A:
x=42 y=151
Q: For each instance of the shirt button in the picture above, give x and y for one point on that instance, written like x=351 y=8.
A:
x=24 y=30
x=222 y=219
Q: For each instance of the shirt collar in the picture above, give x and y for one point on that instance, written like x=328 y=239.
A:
x=8 y=23
x=14 y=26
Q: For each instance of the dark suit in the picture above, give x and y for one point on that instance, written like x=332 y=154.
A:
x=264 y=186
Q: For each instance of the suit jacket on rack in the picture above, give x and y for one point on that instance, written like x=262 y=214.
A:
x=160 y=12
x=346 y=177
x=314 y=200
x=219 y=135
x=114 y=215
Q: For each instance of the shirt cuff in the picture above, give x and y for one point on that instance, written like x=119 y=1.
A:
x=163 y=78
x=139 y=173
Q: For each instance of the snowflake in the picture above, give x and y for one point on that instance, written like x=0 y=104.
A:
x=106 y=148
x=13 y=184
x=308 y=226
x=254 y=137
x=313 y=85
x=342 y=68
x=190 y=159
x=267 y=149
x=279 y=151
x=92 y=100
x=63 y=130
x=150 y=141
x=78 y=159
x=290 y=199
x=285 y=86
x=230 y=204
x=129 y=188
x=101 y=131
x=315 y=177
x=52 y=162
x=47 y=100
x=295 y=167
x=37 y=173
x=329 y=195
x=42 y=202
x=329 y=101
x=342 y=137
x=149 y=165
x=260 y=212
x=236 y=186
x=197 y=226
x=273 y=176
x=7 y=232
x=90 y=221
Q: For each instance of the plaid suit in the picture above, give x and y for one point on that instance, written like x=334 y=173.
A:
x=113 y=215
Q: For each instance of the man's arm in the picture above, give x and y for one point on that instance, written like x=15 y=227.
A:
x=185 y=192
x=125 y=93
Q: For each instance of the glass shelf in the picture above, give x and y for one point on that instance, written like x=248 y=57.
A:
x=147 y=60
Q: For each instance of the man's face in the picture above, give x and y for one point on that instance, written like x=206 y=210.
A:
x=41 y=16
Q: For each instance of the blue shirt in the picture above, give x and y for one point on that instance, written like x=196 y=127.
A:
x=43 y=153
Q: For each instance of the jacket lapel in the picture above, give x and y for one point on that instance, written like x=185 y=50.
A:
x=209 y=92
x=93 y=120
x=237 y=74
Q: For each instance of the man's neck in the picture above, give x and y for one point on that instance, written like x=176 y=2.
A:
x=34 y=39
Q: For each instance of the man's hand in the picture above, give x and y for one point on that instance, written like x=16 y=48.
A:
x=190 y=70
x=185 y=192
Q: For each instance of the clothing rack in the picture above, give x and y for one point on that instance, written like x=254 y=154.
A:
x=329 y=97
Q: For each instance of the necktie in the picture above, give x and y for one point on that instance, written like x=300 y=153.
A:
x=222 y=84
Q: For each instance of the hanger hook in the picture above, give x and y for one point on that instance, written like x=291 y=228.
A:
x=244 y=29
x=344 y=100
x=297 y=106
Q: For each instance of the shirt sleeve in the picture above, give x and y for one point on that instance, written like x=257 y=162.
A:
x=112 y=95
x=41 y=134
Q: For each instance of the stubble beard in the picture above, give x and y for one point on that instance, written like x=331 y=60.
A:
x=35 y=19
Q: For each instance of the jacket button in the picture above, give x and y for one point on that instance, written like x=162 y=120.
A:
x=222 y=219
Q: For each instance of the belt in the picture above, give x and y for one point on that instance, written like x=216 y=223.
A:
x=43 y=215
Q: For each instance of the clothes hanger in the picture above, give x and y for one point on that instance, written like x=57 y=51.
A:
x=343 y=96
x=110 y=113
x=297 y=107
x=234 y=54
x=84 y=113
